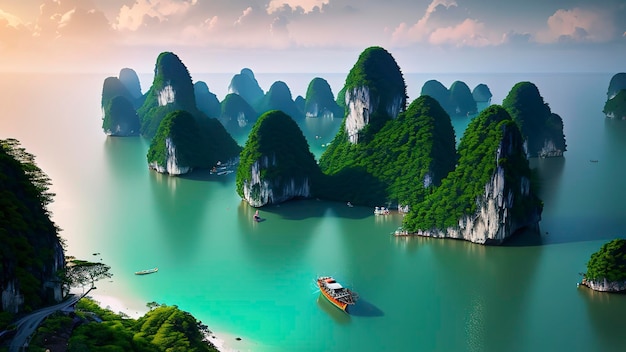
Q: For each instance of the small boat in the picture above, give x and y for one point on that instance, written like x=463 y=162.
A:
x=381 y=211
x=593 y=161
x=257 y=217
x=147 y=271
x=336 y=294
x=350 y=205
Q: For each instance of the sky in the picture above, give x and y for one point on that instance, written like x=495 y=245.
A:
x=324 y=36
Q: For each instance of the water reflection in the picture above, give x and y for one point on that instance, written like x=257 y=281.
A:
x=606 y=314
x=339 y=316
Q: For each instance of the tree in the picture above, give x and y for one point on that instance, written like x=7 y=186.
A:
x=83 y=272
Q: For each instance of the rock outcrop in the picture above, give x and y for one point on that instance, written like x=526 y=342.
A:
x=172 y=150
x=488 y=197
x=246 y=85
x=542 y=129
x=482 y=94
x=615 y=106
x=617 y=83
x=374 y=92
x=276 y=164
x=320 y=101
x=606 y=269
x=461 y=99
x=130 y=80
x=171 y=90
x=279 y=98
x=206 y=101
x=237 y=115
x=120 y=118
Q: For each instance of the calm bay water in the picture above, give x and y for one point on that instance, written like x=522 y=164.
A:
x=255 y=280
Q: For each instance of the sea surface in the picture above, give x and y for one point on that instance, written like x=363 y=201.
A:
x=256 y=280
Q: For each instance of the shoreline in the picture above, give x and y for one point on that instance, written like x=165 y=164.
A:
x=223 y=341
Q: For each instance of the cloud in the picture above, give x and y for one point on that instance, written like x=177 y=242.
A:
x=422 y=28
x=577 y=25
x=293 y=5
x=466 y=33
x=430 y=29
x=151 y=12
x=10 y=19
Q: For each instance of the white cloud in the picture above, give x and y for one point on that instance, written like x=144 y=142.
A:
x=12 y=20
x=418 y=32
x=144 y=12
x=305 y=5
x=466 y=33
x=577 y=25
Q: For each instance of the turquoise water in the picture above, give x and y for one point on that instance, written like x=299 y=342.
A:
x=255 y=280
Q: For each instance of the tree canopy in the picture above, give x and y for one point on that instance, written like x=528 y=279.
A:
x=608 y=263
x=31 y=250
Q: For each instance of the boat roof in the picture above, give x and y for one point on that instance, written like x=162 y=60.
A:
x=334 y=286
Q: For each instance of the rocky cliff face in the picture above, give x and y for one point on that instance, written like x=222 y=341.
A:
x=605 y=285
x=259 y=191
x=360 y=103
x=496 y=218
x=275 y=164
x=172 y=164
x=320 y=101
x=542 y=129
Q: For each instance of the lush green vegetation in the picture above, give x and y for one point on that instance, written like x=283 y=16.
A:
x=237 y=115
x=481 y=93
x=163 y=328
x=279 y=98
x=537 y=123
x=206 y=101
x=608 y=263
x=319 y=95
x=182 y=129
x=407 y=157
x=618 y=82
x=31 y=247
x=462 y=188
x=461 y=99
x=199 y=144
x=169 y=70
x=616 y=107
x=246 y=85
x=120 y=117
x=276 y=136
x=458 y=100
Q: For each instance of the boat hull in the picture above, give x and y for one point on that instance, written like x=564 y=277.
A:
x=336 y=303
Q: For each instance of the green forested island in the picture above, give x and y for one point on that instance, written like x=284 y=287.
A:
x=615 y=106
x=276 y=164
x=542 y=129
x=606 y=269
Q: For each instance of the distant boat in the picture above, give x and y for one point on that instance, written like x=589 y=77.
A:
x=147 y=271
x=381 y=211
x=350 y=205
x=336 y=294
x=593 y=160
x=257 y=217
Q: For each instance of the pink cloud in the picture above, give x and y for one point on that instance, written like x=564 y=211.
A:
x=143 y=12
x=577 y=25
x=305 y=5
x=467 y=33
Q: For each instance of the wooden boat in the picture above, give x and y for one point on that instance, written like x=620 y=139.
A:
x=147 y=271
x=336 y=294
